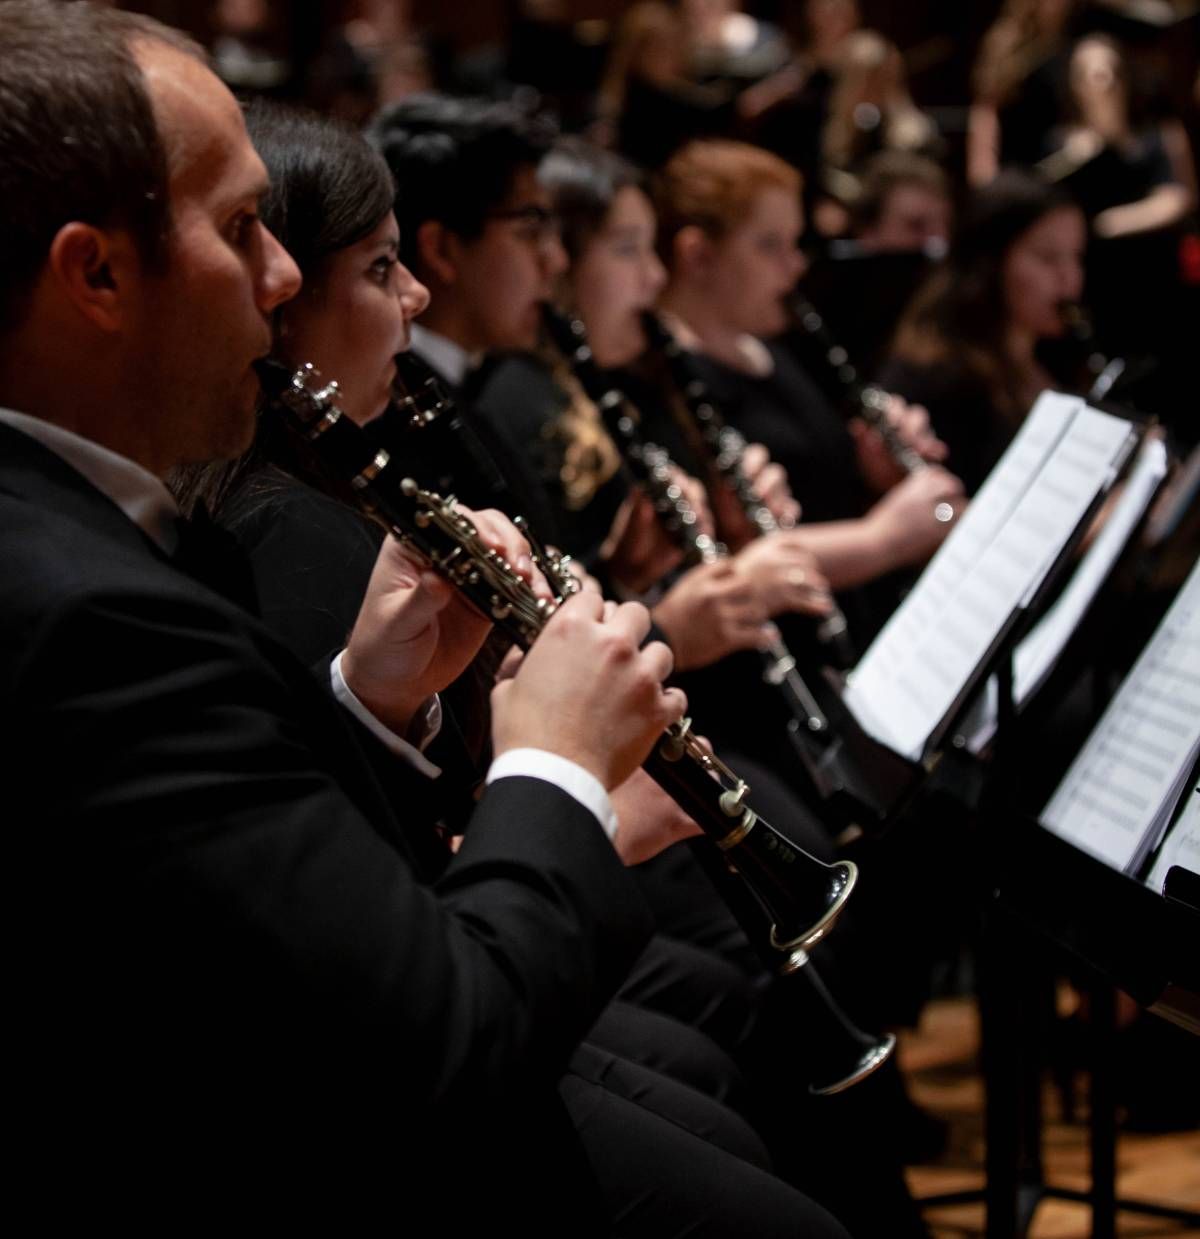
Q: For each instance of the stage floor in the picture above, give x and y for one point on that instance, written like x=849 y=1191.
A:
x=941 y=1061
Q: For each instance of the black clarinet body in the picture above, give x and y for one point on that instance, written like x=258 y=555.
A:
x=650 y=467
x=802 y=895
x=726 y=448
x=786 y=899
x=866 y=400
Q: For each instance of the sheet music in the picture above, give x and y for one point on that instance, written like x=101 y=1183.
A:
x=1040 y=650
x=1037 y=654
x=1119 y=792
x=1009 y=538
x=1182 y=844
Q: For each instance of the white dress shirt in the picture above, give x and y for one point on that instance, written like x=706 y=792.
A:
x=449 y=359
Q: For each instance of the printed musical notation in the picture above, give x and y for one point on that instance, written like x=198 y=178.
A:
x=930 y=654
x=1035 y=657
x=1121 y=790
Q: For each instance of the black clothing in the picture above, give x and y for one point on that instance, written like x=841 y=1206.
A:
x=787 y=413
x=1032 y=110
x=1120 y=175
x=238 y=985
x=962 y=410
x=656 y=120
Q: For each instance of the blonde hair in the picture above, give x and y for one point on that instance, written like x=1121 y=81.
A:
x=1015 y=44
x=641 y=24
x=906 y=128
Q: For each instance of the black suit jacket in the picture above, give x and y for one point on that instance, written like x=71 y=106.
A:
x=227 y=967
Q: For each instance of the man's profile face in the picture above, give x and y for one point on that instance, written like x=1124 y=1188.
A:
x=511 y=267
x=200 y=324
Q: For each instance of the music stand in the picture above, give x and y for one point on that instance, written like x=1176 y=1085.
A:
x=1125 y=935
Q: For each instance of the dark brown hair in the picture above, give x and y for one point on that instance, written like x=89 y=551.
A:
x=959 y=315
x=78 y=139
x=583 y=180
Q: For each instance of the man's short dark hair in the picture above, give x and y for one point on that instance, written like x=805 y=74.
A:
x=78 y=139
x=454 y=160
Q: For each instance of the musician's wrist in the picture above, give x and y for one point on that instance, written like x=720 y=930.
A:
x=394 y=708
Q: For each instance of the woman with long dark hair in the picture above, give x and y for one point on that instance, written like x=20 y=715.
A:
x=967 y=348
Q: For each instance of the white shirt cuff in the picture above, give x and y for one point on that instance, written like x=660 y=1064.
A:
x=425 y=725
x=565 y=774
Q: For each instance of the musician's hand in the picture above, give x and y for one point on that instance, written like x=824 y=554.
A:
x=697 y=498
x=415 y=633
x=785 y=574
x=906 y=520
x=876 y=462
x=710 y=612
x=499 y=534
x=637 y=551
x=770 y=482
x=588 y=692
x=648 y=819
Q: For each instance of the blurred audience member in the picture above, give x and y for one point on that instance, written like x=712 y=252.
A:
x=244 y=50
x=786 y=112
x=730 y=46
x=1129 y=174
x=905 y=204
x=648 y=105
x=870 y=110
x=1019 y=85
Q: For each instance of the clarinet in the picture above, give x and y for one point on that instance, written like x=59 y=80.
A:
x=727 y=447
x=800 y=895
x=1105 y=372
x=868 y=400
x=803 y=895
x=651 y=468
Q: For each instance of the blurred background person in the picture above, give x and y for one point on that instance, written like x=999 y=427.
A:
x=968 y=346
x=905 y=203
x=1128 y=173
x=1019 y=83
x=870 y=110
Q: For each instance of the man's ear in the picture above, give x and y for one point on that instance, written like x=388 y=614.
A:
x=691 y=250
x=96 y=270
x=438 y=252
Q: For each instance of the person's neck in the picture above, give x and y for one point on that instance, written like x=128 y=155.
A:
x=1110 y=121
x=34 y=380
x=1021 y=344
x=1032 y=376
x=448 y=318
x=716 y=337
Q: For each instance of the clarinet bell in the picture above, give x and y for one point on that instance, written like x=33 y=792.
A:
x=838 y=1053
x=814 y=900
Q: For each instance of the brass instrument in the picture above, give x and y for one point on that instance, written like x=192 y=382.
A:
x=801 y=895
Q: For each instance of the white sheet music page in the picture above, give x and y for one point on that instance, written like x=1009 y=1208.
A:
x=870 y=686
x=1122 y=788
x=1037 y=654
x=1182 y=843
x=1041 y=649
x=913 y=684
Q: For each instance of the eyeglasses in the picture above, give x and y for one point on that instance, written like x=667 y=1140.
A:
x=536 y=224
